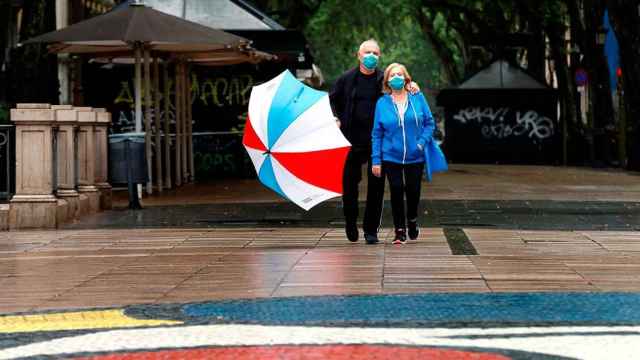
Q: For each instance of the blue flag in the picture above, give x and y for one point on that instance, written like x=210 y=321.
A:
x=612 y=52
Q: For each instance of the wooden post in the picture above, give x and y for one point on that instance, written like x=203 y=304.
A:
x=148 y=106
x=178 y=143
x=167 y=127
x=183 y=151
x=192 y=174
x=157 y=142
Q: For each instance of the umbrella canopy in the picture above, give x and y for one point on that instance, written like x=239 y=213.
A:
x=121 y=29
x=209 y=58
x=293 y=141
x=229 y=57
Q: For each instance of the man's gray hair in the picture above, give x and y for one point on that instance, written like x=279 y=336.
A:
x=370 y=41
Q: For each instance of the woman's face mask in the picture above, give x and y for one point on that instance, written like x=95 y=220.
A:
x=396 y=82
x=370 y=61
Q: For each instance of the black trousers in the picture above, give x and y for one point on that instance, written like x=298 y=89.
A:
x=357 y=157
x=403 y=180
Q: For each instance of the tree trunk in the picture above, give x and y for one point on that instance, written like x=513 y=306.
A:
x=566 y=85
x=536 y=51
x=445 y=55
x=577 y=43
x=625 y=19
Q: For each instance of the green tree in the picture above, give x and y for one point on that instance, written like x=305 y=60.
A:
x=338 y=28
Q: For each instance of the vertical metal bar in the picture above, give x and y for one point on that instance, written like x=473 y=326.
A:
x=5 y=155
x=148 y=106
x=156 y=113
x=167 y=128
x=185 y=97
x=138 y=95
x=178 y=142
x=192 y=175
x=138 y=90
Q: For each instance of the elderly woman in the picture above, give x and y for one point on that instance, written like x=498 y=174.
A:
x=402 y=126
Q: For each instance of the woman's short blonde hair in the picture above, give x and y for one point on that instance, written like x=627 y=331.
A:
x=387 y=73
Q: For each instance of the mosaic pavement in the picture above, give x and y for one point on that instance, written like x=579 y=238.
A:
x=464 y=293
x=418 y=326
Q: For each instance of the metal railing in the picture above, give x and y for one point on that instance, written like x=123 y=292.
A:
x=7 y=162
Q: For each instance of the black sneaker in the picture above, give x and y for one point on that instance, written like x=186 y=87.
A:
x=414 y=231
x=400 y=237
x=352 y=232
x=371 y=238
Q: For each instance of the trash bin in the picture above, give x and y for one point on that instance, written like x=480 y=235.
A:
x=127 y=163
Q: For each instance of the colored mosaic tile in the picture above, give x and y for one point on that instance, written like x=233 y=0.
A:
x=343 y=352
x=101 y=319
x=501 y=309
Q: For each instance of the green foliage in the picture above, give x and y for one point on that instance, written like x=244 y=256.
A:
x=338 y=27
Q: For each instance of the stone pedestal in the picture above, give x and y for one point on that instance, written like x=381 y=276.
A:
x=67 y=122
x=101 y=132
x=86 y=158
x=4 y=216
x=33 y=205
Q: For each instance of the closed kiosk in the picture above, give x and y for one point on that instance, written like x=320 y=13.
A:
x=501 y=115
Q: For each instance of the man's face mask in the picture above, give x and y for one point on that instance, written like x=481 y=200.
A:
x=396 y=82
x=370 y=61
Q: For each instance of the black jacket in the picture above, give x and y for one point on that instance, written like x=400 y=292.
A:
x=342 y=97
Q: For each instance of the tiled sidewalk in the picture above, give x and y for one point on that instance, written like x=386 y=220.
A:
x=514 y=262
x=104 y=268
x=462 y=182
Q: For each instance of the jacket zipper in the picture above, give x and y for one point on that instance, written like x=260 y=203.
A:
x=404 y=143
x=404 y=135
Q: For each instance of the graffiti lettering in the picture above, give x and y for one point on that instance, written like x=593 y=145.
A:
x=502 y=123
x=480 y=115
x=215 y=163
x=125 y=94
x=538 y=126
x=246 y=91
x=219 y=92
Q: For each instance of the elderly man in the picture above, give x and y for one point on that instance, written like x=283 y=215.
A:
x=353 y=100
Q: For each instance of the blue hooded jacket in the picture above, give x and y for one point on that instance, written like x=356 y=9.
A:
x=401 y=141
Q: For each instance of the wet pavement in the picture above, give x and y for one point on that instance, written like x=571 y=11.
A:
x=505 y=214
x=511 y=263
x=500 y=197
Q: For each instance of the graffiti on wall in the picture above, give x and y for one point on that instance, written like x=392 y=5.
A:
x=504 y=122
x=205 y=92
x=220 y=155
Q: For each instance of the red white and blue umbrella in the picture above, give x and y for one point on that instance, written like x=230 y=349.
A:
x=293 y=141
